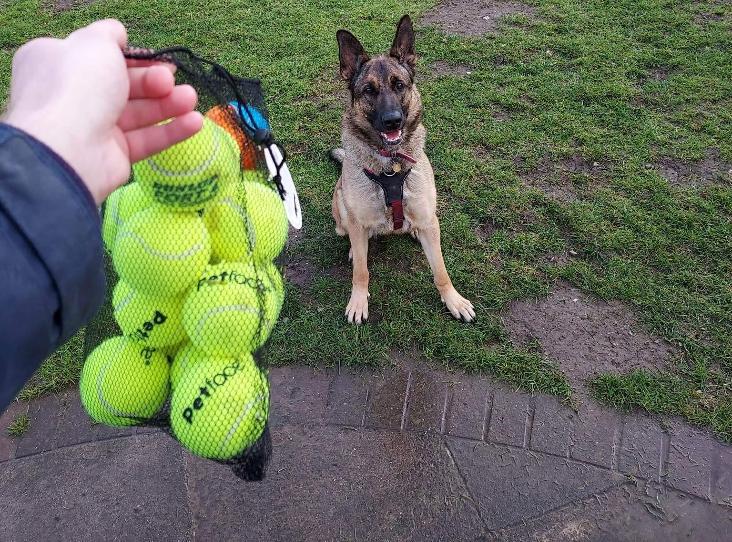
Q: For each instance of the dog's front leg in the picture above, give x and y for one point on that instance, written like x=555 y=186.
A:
x=358 y=307
x=459 y=307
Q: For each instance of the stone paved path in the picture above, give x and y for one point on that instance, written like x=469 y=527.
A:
x=406 y=454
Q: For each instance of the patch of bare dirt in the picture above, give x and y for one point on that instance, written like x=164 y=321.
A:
x=485 y=231
x=66 y=5
x=709 y=170
x=657 y=73
x=300 y=272
x=500 y=115
x=584 y=335
x=442 y=68
x=705 y=18
x=554 y=179
x=341 y=270
x=711 y=11
x=559 y=258
x=473 y=17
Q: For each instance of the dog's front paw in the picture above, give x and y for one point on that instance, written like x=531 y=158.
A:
x=459 y=307
x=357 y=310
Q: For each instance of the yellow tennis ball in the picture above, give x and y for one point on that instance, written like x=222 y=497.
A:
x=124 y=382
x=249 y=222
x=119 y=207
x=274 y=281
x=156 y=321
x=160 y=253
x=191 y=174
x=232 y=309
x=266 y=220
x=186 y=358
x=227 y=226
x=220 y=406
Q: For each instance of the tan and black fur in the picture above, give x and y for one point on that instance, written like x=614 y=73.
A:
x=383 y=93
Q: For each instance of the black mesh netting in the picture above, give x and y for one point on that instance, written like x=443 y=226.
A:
x=193 y=288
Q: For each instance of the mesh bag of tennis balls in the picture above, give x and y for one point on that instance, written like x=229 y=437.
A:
x=194 y=287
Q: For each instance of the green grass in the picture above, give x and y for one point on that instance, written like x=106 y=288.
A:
x=58 y=372
x=18 y=426
x=573 y=82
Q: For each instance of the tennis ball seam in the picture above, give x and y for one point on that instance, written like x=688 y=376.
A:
x=235 y=426
x=100 y=383
x=249 y=226
x=157 y=253
x=224 y=308
x=122 y=304
x=190 y=172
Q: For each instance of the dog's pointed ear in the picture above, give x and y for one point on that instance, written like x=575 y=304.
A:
x=403 y=46
x=351 y=53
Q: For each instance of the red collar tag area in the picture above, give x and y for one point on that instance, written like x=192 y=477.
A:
x=393 y=187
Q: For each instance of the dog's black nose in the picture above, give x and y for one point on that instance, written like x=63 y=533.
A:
x=391 y=120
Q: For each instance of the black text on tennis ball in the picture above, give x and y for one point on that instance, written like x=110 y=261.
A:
x=232 y=308
x=220 y=406
x=192 y=173
x=156 y=321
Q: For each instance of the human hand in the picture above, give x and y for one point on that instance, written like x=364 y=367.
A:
x=99 y=112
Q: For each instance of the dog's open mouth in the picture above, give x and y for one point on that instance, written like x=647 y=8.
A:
x=392 y=138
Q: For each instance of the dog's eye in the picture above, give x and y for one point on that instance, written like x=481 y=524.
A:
x=399 y=86
x=370 y=90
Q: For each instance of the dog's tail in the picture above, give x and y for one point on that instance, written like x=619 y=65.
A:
x=337 y=154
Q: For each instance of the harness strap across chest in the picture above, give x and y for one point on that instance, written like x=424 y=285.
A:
x=392 y=184
x=393 y=187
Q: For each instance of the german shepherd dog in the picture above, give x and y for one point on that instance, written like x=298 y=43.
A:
x=387 y=185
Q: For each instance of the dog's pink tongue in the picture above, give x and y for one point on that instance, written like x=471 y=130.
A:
x=393 y=135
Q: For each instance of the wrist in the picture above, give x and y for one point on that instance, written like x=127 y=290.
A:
x=59 y=158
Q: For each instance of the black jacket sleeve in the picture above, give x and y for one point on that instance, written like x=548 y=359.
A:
x=51 y=272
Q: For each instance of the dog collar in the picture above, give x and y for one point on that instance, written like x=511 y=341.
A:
x=392 y=183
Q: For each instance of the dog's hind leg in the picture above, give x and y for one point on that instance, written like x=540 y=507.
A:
x=337 y=155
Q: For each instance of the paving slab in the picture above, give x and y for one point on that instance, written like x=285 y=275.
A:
x=426 y=402
x=509 y=417
x=347 y=396
x=596 y=435
x=116 y=490
x=387 y=395
x=641 y=450
x=409 y=453
x=469 y=400
x=690 y=457
x=298 y=394
x=8 y=444
x=552 y=428
x=722 y=475
x=624 y=514
x=512 y=485
x=334 y=483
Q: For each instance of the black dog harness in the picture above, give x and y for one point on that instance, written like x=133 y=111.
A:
x=392 y=183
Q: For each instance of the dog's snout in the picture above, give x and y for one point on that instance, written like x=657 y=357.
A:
x=392 y=120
